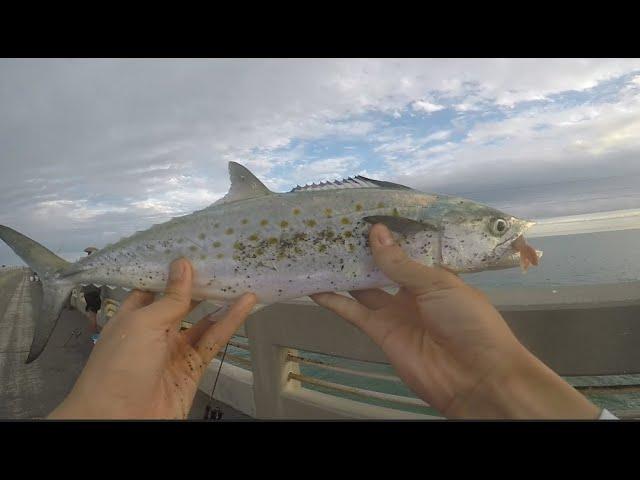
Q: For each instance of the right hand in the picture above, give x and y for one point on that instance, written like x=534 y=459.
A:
x=450 y=345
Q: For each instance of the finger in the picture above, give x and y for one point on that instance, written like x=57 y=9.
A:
x=347 y=308
x=373 y=298
x=221 y=331
x=193 y=334
x=174 y=304
x=403 y=295
x=395 y=264
x=135 y=300
x=375 y=326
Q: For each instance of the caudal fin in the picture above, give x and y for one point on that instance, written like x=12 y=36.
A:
x=55 y=290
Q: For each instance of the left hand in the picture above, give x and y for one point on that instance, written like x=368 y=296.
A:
x=143 y=366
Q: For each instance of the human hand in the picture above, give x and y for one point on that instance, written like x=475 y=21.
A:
x=451 y=346
x=143 y=366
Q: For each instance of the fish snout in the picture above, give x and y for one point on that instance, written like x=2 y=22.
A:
x=521 y=225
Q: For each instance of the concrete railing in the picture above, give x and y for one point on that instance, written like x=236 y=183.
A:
x=275 y=363
x=577 y=331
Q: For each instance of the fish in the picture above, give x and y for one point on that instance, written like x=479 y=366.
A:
x=283 y=246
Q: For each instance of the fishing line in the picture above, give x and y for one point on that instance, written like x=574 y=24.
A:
x=215 y=413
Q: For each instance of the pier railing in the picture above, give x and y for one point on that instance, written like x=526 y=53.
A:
x=297 y=360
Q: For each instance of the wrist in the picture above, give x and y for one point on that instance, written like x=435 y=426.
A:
x=525 y=388
x=528 y=389
x=74 y=407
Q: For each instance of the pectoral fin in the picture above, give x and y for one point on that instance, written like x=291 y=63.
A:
x=402 y=225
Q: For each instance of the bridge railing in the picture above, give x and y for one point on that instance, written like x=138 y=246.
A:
x=297 y=360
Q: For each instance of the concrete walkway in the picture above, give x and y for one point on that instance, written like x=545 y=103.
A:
x=34 y=390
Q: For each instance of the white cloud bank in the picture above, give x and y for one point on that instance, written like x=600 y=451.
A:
x=114 y=145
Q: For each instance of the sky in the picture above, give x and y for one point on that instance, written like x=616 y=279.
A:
x=92 y=150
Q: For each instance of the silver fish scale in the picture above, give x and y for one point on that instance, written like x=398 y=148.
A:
x=281 y=246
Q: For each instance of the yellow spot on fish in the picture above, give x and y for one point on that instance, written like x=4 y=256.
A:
x=348 y=234
x=239 y=246
x=358 y=207
x=229 y=231
x=203 y=257
x=273 y=240
x=202 y=236
x=259 y=251
x=311 y=223
x=345 y=221
x=380 y=205
x=264 y=222
x=328 y=212
x=284 y=224
x=253 y=237
x=244 y=221
x=296 y=211
x=216 y=244
x=220 y=255
x=352 y=247
x=322 y=248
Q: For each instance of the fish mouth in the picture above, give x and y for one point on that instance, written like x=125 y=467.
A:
x=528 y=255
x=514 y=259
x=519 y=227
x=525 y=254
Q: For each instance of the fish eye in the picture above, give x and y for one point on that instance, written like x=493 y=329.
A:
x=499 y=226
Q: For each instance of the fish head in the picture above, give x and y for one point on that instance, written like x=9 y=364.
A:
x=475 y=237
x=461 y=235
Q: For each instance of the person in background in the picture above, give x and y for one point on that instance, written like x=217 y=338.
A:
x=92 y=298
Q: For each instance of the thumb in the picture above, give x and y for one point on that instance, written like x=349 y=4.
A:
x=395 y=264
x=176 y=301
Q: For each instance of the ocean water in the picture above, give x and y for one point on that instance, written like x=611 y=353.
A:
x=579 y=259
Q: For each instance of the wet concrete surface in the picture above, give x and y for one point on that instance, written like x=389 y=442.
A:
x=33 y=391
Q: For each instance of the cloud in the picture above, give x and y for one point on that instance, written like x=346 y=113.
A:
x=327 y=169
x=88 y=146
x=425 y=106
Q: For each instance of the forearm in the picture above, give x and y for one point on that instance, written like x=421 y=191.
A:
x=527 y=389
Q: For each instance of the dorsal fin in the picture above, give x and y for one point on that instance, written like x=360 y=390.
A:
x=356 y=182
x=244 y=184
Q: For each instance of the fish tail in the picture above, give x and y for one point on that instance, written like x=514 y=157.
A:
x=55 y=291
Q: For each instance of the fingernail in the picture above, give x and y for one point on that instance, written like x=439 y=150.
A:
x=176 y=271
x=384 y=236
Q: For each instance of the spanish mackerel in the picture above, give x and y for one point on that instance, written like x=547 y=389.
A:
x=284 y=245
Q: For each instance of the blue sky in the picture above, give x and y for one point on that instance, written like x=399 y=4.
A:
x=92 y=150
